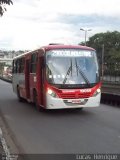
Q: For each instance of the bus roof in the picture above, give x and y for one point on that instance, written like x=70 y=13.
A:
x=61 y=46
x=56 y=46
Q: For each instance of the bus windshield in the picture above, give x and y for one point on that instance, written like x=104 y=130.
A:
x=72 y=66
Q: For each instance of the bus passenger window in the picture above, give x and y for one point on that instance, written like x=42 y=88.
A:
x=17 y=66
x=33 y=63
x=22 y=64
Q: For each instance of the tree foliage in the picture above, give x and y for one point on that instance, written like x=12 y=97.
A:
x=111 y=41
x=3 y=4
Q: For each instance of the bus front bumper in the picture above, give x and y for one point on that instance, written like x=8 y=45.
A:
x=58 y=103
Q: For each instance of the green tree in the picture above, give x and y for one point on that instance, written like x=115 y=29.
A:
x=3 y=4
x=111 y=41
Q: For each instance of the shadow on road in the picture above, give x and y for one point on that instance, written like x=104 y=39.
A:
x=13 y=105
x=66 y=112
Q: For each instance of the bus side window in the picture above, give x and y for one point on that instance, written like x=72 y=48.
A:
x=34 y=59
x=17 y=66
x=21 y=64
x=13 y=66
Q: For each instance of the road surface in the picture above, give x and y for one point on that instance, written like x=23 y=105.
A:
x=93 y=130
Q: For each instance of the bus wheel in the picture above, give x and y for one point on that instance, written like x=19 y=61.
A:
x=79 y=109
x=18 y=94
x=37 y=106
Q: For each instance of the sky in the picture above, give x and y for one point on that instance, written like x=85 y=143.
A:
x=29 y=24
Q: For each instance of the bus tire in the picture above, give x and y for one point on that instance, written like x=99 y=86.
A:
x=79 y=109
x=37 y=106
x=18 y=94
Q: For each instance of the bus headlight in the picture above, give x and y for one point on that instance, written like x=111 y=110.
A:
x=52 y=93
x=97 y=92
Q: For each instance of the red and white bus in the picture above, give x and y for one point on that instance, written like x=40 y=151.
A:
x=58 y=76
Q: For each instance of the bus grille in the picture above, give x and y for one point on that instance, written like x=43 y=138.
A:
x=74 y=96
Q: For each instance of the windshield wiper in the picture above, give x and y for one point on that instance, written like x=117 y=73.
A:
x=81 y=73
x=68 y=72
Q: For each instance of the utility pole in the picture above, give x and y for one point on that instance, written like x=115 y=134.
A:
x=102 y=66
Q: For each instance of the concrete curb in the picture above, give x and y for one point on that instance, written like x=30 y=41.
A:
x=6 y=154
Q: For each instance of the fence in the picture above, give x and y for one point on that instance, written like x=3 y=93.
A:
x=111 y=73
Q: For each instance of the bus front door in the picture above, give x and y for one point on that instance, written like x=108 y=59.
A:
x=27 y=78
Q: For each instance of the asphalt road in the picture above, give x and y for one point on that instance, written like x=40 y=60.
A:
x=93 y=130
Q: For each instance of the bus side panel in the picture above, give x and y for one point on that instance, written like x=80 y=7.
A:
x=19 y=81
x=27 y=77
x=21 y=84
x=33 y=81
x=40 y=81
x=14 y=84
x=44 y=89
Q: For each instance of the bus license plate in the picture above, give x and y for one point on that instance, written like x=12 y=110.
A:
x=76 y=101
